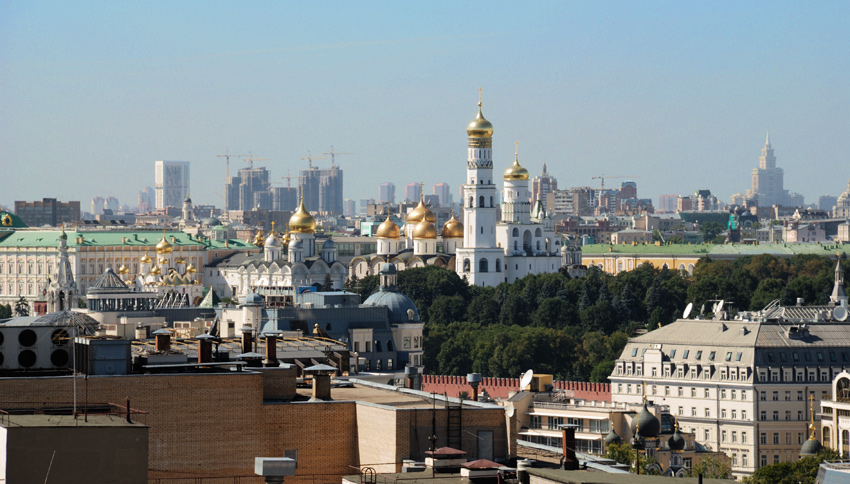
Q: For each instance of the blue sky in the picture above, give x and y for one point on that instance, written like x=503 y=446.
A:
x=679 y=94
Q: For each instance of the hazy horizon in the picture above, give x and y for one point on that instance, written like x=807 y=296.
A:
x=677 y=94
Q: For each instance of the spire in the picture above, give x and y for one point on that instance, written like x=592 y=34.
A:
x=812 y=416
x=767 y=139
x=544 y=169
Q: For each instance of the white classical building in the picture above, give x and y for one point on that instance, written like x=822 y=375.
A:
x=742 y=386
x=501 y=249
x=287 y=262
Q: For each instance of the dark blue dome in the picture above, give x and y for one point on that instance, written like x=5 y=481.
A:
x=398 y=304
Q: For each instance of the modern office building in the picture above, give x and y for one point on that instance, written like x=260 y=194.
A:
x=48 y=211
x=742 y=386
x=444 y=194
x=386 y=193
x=412 y=192
x=171 y=182
x=251 y=189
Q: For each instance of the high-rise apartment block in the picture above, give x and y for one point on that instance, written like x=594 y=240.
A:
x=48 y=211
x=444 y=194
x=386 y=193
x=147 y=200
x=543 y=185
x=322 y=189
x=251 y=189
x=171 y=180
x=667 y=203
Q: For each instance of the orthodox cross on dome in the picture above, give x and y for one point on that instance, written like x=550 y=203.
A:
x=272 y=227
x=479 y=95
x=421 y=191
x=516 y=152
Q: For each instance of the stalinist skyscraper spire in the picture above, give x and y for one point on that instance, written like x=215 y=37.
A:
x=768 y=180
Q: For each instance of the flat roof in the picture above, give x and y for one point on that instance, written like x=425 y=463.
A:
x=384 y=395
x=595 y=477
x=12 y=421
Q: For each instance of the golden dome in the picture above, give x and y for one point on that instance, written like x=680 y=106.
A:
x=191 y=269
x=453 y=228
x=479 y=127
x=420 y=213
x=123 y=269
x=425 y=230
x=163 y=247
x=155 y=271
x=301 y=221
x=286 y=238
x=180 y=260
x=388 y=229
x=145 y=259
x=516 y=171
x=163 y=260
x=259 y=238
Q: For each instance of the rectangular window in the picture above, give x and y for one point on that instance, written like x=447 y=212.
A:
x=743 y=437
x=672 y=354
x=776 y=415
x=634 y=351
x=723 y=436
x=743 y=415
x=707 y=412
x=711 y=356
x=734 y=414
x=667 y=391
x=763 y=415
x=733 y=394
x=744 y=459
x=681 y=391
x=706 y=393
x=800 y=396
x=775 y=396
x=763 y=459
x=729 y=356
x=787 y=396
x=722 y=413
x=536 y=421
x=734 y=437
x=707 y=432
x=723 y=394
x=699 y=355
x=693 y=392
x=693 y=411
x=681 y=412
x=743 y=394
x=738 y=356
x=629 y=388
x=775 y=438
x=763 y=438
x=685 y=354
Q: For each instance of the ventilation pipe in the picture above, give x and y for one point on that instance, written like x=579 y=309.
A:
x=247 y=339
x=271 y=350
x=568 y=446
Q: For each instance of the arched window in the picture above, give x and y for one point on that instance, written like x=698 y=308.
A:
x=498 y=265
x=515 y=232
x=538 y=245
x=466 y=265
x=482 y=229
x=538 y=232
x=481 y=201
x=470 y=202
x=826 y=436
x=482 y=265
x=491 y=202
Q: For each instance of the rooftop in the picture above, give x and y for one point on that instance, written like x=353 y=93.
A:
x=718 y=250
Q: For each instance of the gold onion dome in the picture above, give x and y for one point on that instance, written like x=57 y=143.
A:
x=123 y=269
x=163 y=247
x=453 y=228
x=516 y=171
x=180 y=260
x=301 y=221
x=388 y=229
x=479 y=127
x=145 y=259
x=163 y=260
x=425 y=230
x=420 y=213
x=191 y=269
x=155 y=271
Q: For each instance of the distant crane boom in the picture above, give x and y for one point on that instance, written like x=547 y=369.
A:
x=334 y=153
x=227 y=154
x=310 y=158
x=604 y=176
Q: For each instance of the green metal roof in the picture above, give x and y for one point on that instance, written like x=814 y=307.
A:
x=10 y=220
x=719 y=250
x=50 y=238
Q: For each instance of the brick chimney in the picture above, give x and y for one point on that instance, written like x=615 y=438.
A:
x=163 y=339
x=205 y=348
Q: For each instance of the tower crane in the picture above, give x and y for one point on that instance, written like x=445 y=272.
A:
x=334 y=153
x=227 y=154
x=310 y=158
x=604 y=176
x=288 y=179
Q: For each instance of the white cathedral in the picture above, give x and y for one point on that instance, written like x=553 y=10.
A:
x=523 y=242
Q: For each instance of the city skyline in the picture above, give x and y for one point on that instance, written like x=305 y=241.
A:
x=681 y=93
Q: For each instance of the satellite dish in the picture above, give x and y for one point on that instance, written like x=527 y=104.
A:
x=719 y=306
x=840 y=313
x=702 y=309
x=509 y=409
x=688 y=310
x=526 y=379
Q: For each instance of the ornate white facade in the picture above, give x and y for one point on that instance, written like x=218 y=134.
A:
x=523 y=242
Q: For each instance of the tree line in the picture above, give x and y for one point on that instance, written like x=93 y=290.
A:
x=575 y=328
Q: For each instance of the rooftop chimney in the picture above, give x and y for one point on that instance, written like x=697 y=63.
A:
x=205 y=348
x=568 y=446
x=163 y=339
x=247 y=339
x=321 y=382
x=474 y=379
x=271 y=350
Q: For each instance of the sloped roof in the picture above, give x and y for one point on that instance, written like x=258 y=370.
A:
x=107 y=282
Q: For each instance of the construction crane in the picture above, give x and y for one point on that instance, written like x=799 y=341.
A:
x=288 y=179
x=310 y=158
x=334 y=153
x=227 y=154
x=604 y=176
